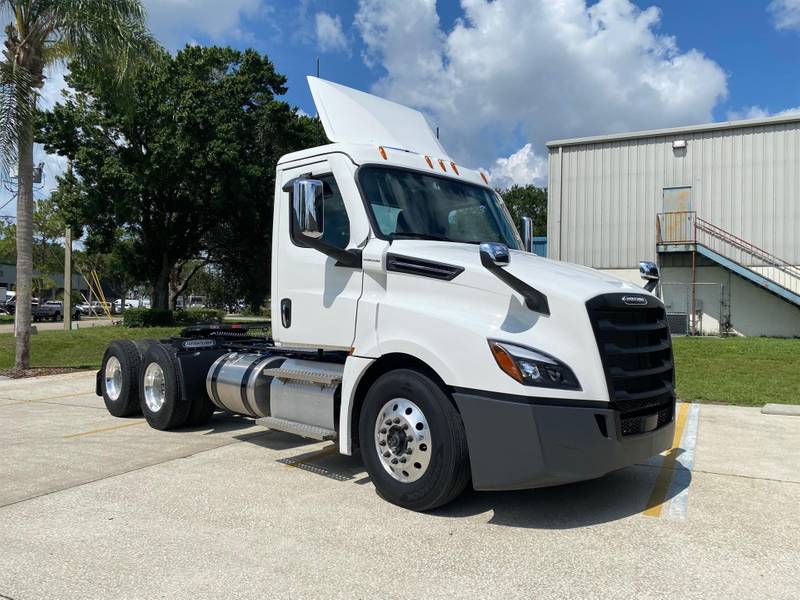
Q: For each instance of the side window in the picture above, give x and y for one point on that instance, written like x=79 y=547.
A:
x=337 y=225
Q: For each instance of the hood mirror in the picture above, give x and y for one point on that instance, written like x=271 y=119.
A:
x=495 y=253
x=649 y=272
x=495 y=256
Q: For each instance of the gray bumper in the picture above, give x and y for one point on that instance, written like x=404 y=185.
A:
x=515 y=444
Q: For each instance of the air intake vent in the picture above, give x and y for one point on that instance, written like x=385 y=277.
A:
x=424 y=268
x=636 y=351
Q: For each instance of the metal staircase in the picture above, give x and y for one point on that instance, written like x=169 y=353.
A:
x=686 y=232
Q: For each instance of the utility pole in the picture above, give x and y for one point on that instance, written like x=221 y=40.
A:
x=68 y=279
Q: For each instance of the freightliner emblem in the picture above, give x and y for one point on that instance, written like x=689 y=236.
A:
x=635 y=300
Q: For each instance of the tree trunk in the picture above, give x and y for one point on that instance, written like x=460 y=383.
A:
x=178 y=286
x=24 y=245
x=161 y=285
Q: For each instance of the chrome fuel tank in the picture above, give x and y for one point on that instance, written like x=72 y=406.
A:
x=236 y=383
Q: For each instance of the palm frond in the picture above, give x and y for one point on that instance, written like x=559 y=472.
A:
x=17 y=107
x=103 y=34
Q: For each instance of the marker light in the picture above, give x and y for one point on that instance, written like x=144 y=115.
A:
x=454 y=167
x=505 y=361
x=441 y=164
x=429 y=161
x=383 y=153
x=485 y=179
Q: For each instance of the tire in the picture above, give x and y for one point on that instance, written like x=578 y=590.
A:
x=160 y=397
x=122 y=399
x=56 y=317
x=443 y=442
x=76 y=316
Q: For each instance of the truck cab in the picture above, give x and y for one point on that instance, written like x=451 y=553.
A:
x=411 y=323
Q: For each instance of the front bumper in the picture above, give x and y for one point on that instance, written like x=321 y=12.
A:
x=518 y=442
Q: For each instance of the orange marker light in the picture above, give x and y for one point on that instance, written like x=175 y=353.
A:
x=441 y=164
x=454 y=167
x=429 y=161
x=383 y=153
x=505 y=362
x=483 y=176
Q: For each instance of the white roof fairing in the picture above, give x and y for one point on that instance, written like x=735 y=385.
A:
x=354 y=117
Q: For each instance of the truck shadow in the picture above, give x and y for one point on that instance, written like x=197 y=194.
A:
x=615 y=496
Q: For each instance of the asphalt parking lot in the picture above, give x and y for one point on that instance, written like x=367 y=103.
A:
x=97 y=507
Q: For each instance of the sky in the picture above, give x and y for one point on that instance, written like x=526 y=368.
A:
x=502 y=77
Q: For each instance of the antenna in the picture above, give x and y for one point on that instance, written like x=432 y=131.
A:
x=318 y=66
x=437 y=132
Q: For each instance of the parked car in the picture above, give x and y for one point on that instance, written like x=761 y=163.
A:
x=11 y=305
x=53 y=310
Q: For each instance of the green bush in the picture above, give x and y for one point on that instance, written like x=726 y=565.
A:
x=193 y=316
x=158 y=317
x=147 y=317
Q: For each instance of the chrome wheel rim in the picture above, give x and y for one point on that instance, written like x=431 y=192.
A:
x=155 y=389
x=403 y=440
x=113 y=378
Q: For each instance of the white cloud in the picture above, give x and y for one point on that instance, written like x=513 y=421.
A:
x=330 y=36
x=758 y=112
x=533 y=70
x=522 y=167
x=177 y=22
x=785 y=13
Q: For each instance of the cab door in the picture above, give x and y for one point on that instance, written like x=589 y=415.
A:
x=314 y=299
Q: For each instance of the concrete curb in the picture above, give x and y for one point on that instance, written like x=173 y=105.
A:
x=788 y=410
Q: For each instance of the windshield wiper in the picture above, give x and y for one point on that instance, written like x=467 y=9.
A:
x=422 y=236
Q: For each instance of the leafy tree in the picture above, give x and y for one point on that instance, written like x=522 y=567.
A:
x=187 y=173
x=99 y=36
x=47 y=249
x=527 y=201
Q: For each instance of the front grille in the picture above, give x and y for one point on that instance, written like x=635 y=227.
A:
x=636 y=352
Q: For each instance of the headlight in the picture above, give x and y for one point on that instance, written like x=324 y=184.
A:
x=532 y=367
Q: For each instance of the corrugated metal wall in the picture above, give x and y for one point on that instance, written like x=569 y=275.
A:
x=603 y=197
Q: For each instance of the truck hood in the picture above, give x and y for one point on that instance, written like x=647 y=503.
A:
x=553 y=278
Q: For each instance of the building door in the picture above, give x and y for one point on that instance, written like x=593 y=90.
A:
x=677 y=222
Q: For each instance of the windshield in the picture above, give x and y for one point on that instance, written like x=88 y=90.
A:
x=412 y=205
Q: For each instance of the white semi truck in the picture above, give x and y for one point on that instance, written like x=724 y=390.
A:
x=411 y=324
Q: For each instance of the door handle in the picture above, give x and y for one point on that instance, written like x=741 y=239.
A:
x=286 y=313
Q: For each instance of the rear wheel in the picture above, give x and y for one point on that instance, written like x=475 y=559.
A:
x=119 y=382
x=413 y=442
x=161 y=400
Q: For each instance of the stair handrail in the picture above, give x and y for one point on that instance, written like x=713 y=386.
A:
x=687 y=224
x=744 y=245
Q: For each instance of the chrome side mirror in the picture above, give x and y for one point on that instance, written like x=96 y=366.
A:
x=309 y=207
x=649 y=272
x=495 y=254
x=527 y=233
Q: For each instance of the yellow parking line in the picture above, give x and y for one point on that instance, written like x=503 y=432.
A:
x=101 y=430
x=657 y=499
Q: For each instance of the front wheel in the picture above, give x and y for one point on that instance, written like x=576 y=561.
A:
x=413 y=442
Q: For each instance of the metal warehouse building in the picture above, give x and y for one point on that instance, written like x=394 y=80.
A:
x=717 y=206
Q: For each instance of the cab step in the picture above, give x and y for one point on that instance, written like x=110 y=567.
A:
x=301 y=429
x=320 y=376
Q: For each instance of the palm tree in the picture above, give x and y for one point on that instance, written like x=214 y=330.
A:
x=101 y=35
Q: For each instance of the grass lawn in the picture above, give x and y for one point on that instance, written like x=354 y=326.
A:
x=743 y=371
x=80 y=348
